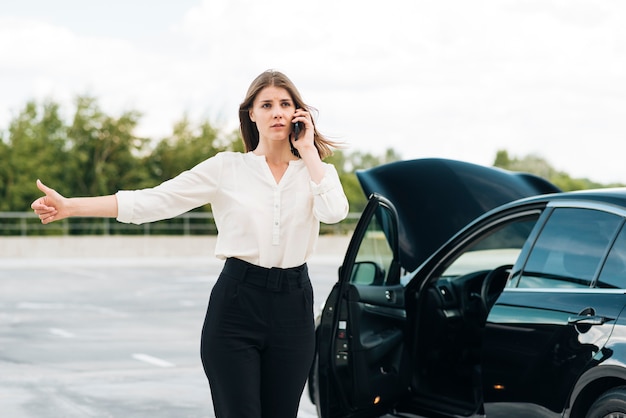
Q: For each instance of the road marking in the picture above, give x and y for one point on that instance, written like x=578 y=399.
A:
x=61 y=333
x=67 y=306
x=152 y=360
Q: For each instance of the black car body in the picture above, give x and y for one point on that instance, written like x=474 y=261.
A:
x=472 y=291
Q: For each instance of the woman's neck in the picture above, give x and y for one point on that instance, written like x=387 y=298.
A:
x=275 y=155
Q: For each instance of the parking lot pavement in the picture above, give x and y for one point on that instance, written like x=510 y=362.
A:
x=111 y=337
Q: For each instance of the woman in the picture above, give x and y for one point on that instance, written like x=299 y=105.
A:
x=257 y=341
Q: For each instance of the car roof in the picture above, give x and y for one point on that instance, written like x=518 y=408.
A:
x=435 y=198
x=609 y=196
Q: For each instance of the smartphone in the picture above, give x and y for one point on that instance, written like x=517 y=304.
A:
x=297 y=127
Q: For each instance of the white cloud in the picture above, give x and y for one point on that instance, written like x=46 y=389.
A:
x=449 y=79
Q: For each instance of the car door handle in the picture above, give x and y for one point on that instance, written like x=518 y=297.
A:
x=587 y=320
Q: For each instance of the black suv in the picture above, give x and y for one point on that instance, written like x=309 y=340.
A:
x=472 y=291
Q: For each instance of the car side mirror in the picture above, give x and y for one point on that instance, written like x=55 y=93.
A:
x=367 y=273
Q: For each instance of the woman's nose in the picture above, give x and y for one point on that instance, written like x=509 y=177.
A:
x=278 y=113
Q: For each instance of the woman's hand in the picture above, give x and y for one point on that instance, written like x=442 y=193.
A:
x=51 y=207
x=305 y=141
x=306 y=146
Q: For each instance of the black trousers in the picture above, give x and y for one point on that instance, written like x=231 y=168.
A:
x=258 y=340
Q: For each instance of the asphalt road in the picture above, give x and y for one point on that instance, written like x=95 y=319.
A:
x=115 y=337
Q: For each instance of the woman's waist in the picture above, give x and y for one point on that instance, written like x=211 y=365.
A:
x=274 y=278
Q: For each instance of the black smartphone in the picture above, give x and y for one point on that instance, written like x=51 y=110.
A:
x=297 y=127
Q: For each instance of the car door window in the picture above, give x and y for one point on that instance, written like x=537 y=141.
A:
x=501 y=246
x=375 y=255
x=613 y=274
x=569 y=249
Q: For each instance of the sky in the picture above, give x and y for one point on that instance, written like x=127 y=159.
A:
x=438 y=78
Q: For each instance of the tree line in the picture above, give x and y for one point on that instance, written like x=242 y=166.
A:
x=96 y=153
x=539 y=166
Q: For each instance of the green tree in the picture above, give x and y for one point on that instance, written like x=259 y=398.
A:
x=34 y=149
x=187 y=146
x=539 y=166
x=5 y=172
x=104 y=151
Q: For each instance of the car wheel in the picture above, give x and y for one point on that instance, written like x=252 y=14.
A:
x=612 y=404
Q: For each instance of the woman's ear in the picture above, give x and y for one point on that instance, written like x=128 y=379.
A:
x=250 y=115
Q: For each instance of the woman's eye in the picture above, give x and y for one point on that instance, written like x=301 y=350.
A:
x=265 y=105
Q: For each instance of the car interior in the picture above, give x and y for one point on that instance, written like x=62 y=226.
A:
x=451 y=314
x=452 y=311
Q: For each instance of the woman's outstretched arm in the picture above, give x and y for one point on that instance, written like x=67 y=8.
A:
x=53 y=206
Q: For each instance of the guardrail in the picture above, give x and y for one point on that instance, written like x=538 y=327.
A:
x=190 y=223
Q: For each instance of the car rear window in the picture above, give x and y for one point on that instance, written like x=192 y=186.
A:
x=613 y=274
x=570 y=248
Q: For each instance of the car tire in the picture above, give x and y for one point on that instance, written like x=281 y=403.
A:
x=611 y=404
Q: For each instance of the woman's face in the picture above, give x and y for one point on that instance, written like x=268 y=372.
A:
x=272 y=111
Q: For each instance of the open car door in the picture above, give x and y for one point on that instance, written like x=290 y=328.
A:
x=359 y=370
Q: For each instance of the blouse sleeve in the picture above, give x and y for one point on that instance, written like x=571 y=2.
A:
x=188 y=190
x=330 y=204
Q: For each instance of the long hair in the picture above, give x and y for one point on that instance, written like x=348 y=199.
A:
x=249 y=131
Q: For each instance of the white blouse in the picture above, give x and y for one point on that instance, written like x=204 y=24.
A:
x=258 y=220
